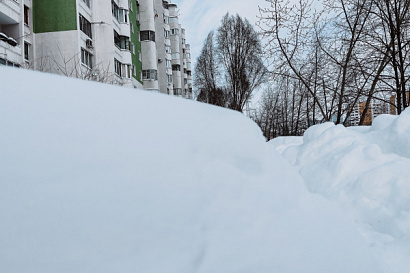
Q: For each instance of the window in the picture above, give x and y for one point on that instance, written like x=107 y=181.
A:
x=147 y=35
x=132 y=27
x=26 y=51
x=174 y=31
x=122 y=70
x=26 y=15
x=117 y=67
x=149 y=74
x=166 y=19
x=169 y=78
x=86 y=58
x=122 y=42
x=85 y=26
x=173 y=20
x=168 y=63
x=176 y=56
x=139 y=56
x=183 y=41
x=87 y=2
x=120 y=14
x=2 y=61
x=176 y=67
x=127 y=67
x=166 y=33
x=177 y=91
x=168 y=49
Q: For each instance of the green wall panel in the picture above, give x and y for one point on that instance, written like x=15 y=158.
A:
x=54 y=15
x=134 y=39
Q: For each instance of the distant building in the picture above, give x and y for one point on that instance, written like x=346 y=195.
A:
x=135 y=43
x=393 y=103
x=376 y=108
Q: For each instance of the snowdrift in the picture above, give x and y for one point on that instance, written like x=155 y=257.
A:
x=365 y=170
x=97 y=178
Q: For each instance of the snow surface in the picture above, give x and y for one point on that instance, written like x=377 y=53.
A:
x=365 y=170
x=98 y=178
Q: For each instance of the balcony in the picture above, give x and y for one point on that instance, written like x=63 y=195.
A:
x=9 y=22
x=9 y=12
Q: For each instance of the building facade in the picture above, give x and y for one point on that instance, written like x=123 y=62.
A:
x=135 y=43
x=16 y=32
x=376 y=108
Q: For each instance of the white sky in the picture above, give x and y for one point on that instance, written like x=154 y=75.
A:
x=199 y=17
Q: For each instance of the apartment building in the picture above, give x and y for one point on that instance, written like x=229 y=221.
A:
x=135 y=43
x=376 y=108
x=166 y=56
x=16 y=30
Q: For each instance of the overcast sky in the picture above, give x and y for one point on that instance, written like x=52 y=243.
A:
x=199 y=17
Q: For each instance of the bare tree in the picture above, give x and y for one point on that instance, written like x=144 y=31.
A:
x=230 y=68
x=394 y=16
x=240 y=53
x=207 y=75
x=282 y=110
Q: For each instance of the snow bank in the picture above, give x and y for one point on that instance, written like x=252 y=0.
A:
x=97 y=178
x=365 y=170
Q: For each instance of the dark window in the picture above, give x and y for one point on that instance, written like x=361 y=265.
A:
x=85 y=26
x=86 y=58
x=150 y=74
x=122 y=42
x=87 y=2
x=26 y=51
x=147 y=35
x=26 y=13
x=117 y=67
x=176 y=67
x=119 y=13
x=122 y=70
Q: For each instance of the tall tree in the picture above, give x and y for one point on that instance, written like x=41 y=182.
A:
x=240 y=53
x=207 y=74
x=230 y=67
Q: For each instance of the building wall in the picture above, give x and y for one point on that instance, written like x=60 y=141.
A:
x=49 y=38
x=54 y=15
x=176 y=50
x=134 y=37
x=62 y=56
x=11 y=42
x=162 y=38
x=148 y=47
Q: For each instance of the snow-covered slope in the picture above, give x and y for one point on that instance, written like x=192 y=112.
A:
x=366 y=171
x=97 y=178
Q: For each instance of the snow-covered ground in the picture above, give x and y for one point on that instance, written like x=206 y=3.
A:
x=366 y=171
x=98 y=178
